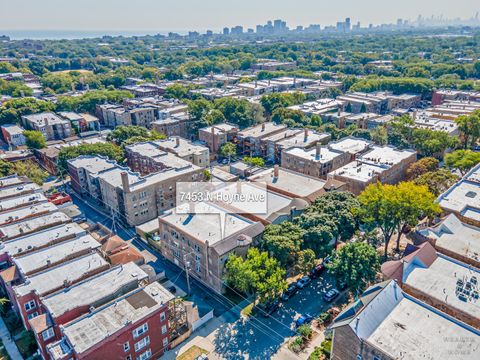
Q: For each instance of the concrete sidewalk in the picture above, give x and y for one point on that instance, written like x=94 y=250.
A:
x=9 y=344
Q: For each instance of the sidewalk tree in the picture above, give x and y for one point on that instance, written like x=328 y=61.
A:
x=355 y=264
x=258 y=274
x=305 y=261
x=462 y=160
x=254 y=161
x=34 y=139
x=393 y=207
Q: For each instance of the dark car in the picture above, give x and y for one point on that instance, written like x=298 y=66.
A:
x=303 y=282
x=291 y=290
x=268 y=309
x=303 y=319
x=316 y=271
x=331 y=295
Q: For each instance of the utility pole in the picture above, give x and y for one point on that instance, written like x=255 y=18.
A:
x=187 y=268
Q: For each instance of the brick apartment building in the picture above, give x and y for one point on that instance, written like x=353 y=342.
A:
x=50 y=125
x=216 y=135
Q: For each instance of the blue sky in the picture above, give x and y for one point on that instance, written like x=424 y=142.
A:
x=162 y=15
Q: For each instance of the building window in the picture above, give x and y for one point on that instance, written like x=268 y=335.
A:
x=162 y=316
x=165 y=342
x=129 y=357
x=146 y=355
x=142 y=343
x=32 y=315
x=140 y=330
x=126 y=346
x=30 y=305
x=48 y=334
x=164 y=329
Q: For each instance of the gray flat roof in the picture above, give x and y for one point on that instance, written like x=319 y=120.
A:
x=54 y=254
x=18 y=189
x=21 y=201
x=93 y=289
x=27 y=211
x=41 y=238
x=257 y=131
x=33 y=224
x=53 y=278
x=292 y=182
x=93 y=164
x=351 y=145
x=103 y=323
x=439 y=281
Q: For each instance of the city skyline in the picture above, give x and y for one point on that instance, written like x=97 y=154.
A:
x=187 y=15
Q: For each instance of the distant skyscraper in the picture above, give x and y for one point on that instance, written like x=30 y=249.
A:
x=226 y=31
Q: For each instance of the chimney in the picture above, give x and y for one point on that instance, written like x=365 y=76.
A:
x=276 y=171
x=213 y=138
x=306 y=134
x=414 y=115
x=125 y=186
x=263 y=127
x=339 y=111
x=177 y=141
x=317 y=153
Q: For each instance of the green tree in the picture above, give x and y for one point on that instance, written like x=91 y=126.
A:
x=6 y=168
x=34 y=139
x=11 y=111
x=356 y=265
x=305 y=261
x=462 y=160
x=283 y=242
x=393 y=207
x=469 y=125
x=254 y=161
x=111 y=151
x=437 y=181
x=421 y=167
x=227 y=150
x=31 y=170
x=240 y=111
x=379 y=135
x=258 y=275
x=177 y=91
x=122 y=133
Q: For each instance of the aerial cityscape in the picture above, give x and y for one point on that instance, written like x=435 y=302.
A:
x=187 y=181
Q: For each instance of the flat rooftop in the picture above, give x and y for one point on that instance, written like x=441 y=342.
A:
x=19 y=201
x=463 y=198
x=291 y=182
x=326 y=154
x=300 y=140
x=19 y=214
x=453 y=235
x=12 y=180
x=55 y=254
x=164 y=158
x=44 y=119
x=414 y=332
x=93 y=289
x=184 y=147
x=41 y=239
x=54 y=278
x=219 y=128
x=259 y=131
x=359 y=171
x=92 y=164
x=439 y=281
x=205 y=224
x=385 y=155
x=91 y=329
x=14 y=190
x=32 y=224
x=351 y=145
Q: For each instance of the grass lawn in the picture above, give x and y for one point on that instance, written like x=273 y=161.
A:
x=192 y=353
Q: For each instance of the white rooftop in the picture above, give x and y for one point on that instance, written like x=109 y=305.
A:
x=92 y=164
x=54 y=254
x=261 y=130
x=326 y=154
x=94 y=289
x=385 y=155
x=18 y=189
x=54 y=278
x=93 y=328
x=19 y=214
x=19 y=201
x=32 y=224
x=351 y=145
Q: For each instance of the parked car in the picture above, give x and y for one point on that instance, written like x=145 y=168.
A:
x=291 y=290
x=304 y=319
x=268 y=309
x=331 y=295
x=304 y=281
x=316 y=271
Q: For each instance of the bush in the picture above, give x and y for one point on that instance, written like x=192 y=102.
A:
x=305 y=331
x=323 y=318
x=297 y=344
